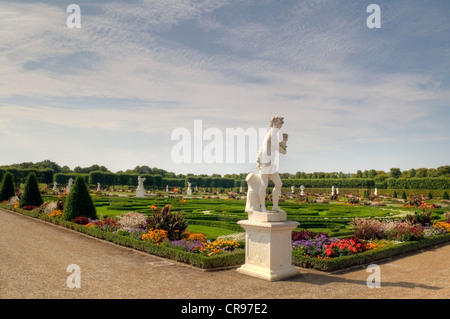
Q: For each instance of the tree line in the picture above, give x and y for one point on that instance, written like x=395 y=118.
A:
x=47 y=172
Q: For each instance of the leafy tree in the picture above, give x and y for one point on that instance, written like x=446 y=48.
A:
x=31 y=194
x=7 y=188
x=395 y=172
x=412 y=173
x=79 y=202
x=421 y=172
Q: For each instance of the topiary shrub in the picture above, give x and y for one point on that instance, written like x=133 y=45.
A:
x=445 y=195
x=31 y=195
x=7 y=188
x=79 y=202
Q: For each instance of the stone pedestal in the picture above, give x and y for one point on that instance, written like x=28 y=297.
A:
x=268 y=246
x=140 y=192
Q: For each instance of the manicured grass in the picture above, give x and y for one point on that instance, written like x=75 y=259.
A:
x=211 y=233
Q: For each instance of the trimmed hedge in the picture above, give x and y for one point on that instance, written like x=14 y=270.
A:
x=7 y=187
x=79 y=202
x=31 y=194
x=369 y=256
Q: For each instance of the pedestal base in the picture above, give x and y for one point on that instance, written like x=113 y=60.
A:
x=268 y=247
x=268 y=274
x=140 y=192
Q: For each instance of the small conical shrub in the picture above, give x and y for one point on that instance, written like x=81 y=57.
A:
x=31 y=194
x=445 y=195
x=404 y=195
x=79 y=202
x=7 y=188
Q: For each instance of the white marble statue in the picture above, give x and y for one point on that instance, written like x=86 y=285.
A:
x=98 y=187
x=267 y=159
x=189 y=190
x=292 y=189
x=140 y=190
x=55 y=185
x=167 y=188
x=332 y=190
x=302 y=190
x=141 y=182
x=69 y=185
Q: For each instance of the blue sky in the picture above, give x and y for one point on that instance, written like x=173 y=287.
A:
x=111 y=92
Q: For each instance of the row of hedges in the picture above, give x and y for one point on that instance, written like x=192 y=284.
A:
x=369 y=256
x=126 y=179
x=44 y=176
x=47 y=176
x=392 y=183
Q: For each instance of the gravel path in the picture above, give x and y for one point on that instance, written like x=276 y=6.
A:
x=34 y=257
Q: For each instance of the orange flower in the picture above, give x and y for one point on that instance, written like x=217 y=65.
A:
x=183 y=200
x=153 y=207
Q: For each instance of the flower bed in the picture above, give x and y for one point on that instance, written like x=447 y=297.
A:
x=130 y=230
x=372 y=241
x=381 y=240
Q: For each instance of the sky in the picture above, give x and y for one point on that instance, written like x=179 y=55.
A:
x=113 y=91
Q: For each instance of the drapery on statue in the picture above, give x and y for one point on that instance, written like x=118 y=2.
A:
x=266 y=165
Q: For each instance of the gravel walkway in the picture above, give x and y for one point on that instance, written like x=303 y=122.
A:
x=34 y=257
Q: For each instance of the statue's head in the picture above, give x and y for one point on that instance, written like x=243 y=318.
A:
x=276 y=121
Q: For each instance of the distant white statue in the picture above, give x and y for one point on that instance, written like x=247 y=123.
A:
x=302 y=190
x=167 y=188
x=292 y=189
x=55 y=185
x=337 y=191
x=98 y=187
x=69 y=185
x=140 y=190
x=375 y=192
x=189 y=190
x=141 y=182
x=332 y=190
x=266 y=165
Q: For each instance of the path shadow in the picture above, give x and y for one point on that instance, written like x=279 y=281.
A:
x=327 y=278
